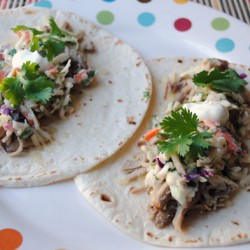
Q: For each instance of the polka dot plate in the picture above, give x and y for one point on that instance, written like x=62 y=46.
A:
x=166 y=27
x=57 y=216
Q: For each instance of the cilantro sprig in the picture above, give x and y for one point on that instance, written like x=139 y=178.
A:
x=28 y=84
x=222 y=81
x=49 y=44
x=183 y=136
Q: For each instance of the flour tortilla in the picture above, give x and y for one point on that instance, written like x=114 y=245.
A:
x=109 y=112
x=103 y=188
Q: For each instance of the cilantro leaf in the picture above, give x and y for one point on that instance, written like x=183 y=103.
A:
x=199 y=145
x=222 y=81
x=182 y=135
x=13 y=90
x=55 y=30
x=40 y=89
x=30 y=70
x=180 y=123
x=180 y=145
x=23 y=27
x=53 y=48
x=33 y=86
x=36 y=44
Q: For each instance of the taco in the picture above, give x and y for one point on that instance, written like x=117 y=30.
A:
x=183 y=179
x=71 y=95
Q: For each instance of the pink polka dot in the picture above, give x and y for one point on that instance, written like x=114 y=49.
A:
x=182 y=24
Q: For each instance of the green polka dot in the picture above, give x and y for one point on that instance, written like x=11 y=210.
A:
x=220 y=23
x=105 y=17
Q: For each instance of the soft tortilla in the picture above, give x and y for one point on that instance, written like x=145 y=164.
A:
x=103 y=188
x=109 y=111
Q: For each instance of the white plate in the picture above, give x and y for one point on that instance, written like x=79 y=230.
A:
x=57 y=216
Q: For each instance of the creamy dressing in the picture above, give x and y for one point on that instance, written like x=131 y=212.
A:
x=24 y=56
x=213 y=111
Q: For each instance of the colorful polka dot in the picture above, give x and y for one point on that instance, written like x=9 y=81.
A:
x=146 y=19
x=225 y=45
x=10 y=239
x=105 y=17
x=182 y=24
x=144 y=1
x=220 y=23
x=108 y=1
x=44 y=4
x=181 y=1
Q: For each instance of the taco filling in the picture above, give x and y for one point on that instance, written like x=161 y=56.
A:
x=38 y=76
x=196 y=156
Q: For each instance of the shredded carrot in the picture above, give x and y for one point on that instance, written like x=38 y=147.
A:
x=16 y=71
x=151 y=133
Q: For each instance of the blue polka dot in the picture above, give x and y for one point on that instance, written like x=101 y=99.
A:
x=225 y=45
x=108 y=1
x=146 y=19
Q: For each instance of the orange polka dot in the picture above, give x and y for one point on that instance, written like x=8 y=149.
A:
x=181 y=1
x=10 y=239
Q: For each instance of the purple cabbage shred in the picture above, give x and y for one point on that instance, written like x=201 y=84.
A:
x=159 y=163
x=243 y=75
x=5 y=110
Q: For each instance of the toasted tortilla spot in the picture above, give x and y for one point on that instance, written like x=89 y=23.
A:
x=119 y=42
x=120 y=143
x=110 y=82
x=194 y=241
x=191 y=241
x=170 y=238
x=53 y=172
x=67 y=26
x=242 y=236
x=29 y=12
x=105 y=197
x=119 y=100
x=180 y=61
x=166 y=90
x=18 y=179
x=235 y=222
x=131 y=120
x=184 y=96
x=176 y=87
x=159 y=59
x=150 y=234
x=239 y=236
x=138 y=64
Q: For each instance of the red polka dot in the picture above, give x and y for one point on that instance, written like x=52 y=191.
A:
x=182 y=24
x=10 y=239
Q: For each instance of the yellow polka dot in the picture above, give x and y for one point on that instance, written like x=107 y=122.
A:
x=181 y=1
